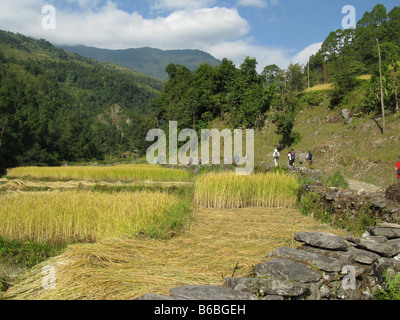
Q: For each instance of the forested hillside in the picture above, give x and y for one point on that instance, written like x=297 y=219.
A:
x=56 y=106
x=243 y=98
x=150 y=61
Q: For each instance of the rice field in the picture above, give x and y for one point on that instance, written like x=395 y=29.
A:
x=234 y=221
x=320 y=87
x=228 y=191
x=204 y=253
x=113 y=173
x=81 y=216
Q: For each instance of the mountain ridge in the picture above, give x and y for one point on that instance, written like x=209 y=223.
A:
x=147 y=60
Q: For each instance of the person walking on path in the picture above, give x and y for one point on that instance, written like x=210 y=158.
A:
x=291 y=158
x=398 y=170
x=310 y=158
x=276 y=157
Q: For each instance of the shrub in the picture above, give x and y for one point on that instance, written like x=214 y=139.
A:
x=337 y=180
x=392 y=291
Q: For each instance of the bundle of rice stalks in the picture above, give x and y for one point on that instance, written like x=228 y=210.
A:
x=228 y=190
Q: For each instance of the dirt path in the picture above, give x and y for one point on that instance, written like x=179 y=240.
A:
x=215 y=242
x=358 y=185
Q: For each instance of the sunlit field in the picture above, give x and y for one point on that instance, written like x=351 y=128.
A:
x=81 y=216
x=227 y=191
x=120 y=172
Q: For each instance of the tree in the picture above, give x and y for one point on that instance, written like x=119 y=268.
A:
x=344 y=80
x=271 y=73
x=295 y=77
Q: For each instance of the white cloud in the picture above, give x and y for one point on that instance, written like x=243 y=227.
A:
x=84 y=4
x=303 y=56
x=181 y=4
x=109 y=27
x=238 y=50
x=217 y=30
x=253 y=3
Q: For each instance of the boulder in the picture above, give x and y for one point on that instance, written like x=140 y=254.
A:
x=393 y=193
x=362 y=256
x=319 y=261
x=266 y=287
x=389 y=233
x=388 y=249
x=287 y=270
x=303 y=157
x=347 y=115
x=322 y=240
x=209 y=292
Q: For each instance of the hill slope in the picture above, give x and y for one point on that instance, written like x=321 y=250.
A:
x=146 y=60
x=358 y=150
x=56 y=106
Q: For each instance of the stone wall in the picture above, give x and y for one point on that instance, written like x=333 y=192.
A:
x=323 y=267
x=380 y=205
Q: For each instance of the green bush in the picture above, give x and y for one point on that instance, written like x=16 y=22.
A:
x=392 y=291
x=337 y=180
x=309 y=203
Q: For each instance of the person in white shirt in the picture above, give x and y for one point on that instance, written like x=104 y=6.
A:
x=276 y=157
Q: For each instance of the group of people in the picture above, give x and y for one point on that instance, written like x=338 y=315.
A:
x=310 y=160
x=292 y=158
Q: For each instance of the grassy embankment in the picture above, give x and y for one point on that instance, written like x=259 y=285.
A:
x=358 y=150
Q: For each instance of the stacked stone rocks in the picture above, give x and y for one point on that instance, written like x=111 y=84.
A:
x=382 y=206
x=323 y=267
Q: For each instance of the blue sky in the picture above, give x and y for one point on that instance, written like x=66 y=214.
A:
x=273 y=31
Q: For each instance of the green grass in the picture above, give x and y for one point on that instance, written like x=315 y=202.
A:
x=28 y=253
x=337 y=180
x=392 y=292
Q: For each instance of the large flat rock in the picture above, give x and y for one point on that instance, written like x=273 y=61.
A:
x=209 y=292
x=390 y=233
x=388 y=249
x=266 y=286
x=320 y=261
x=287 y=270
x=322 y=240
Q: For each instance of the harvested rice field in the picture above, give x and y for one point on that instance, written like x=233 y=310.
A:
x=199 y=244
x=204 y=253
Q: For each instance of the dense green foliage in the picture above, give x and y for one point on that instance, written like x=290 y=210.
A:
x=354 y=52
x=194 y=99
x=55 y=106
